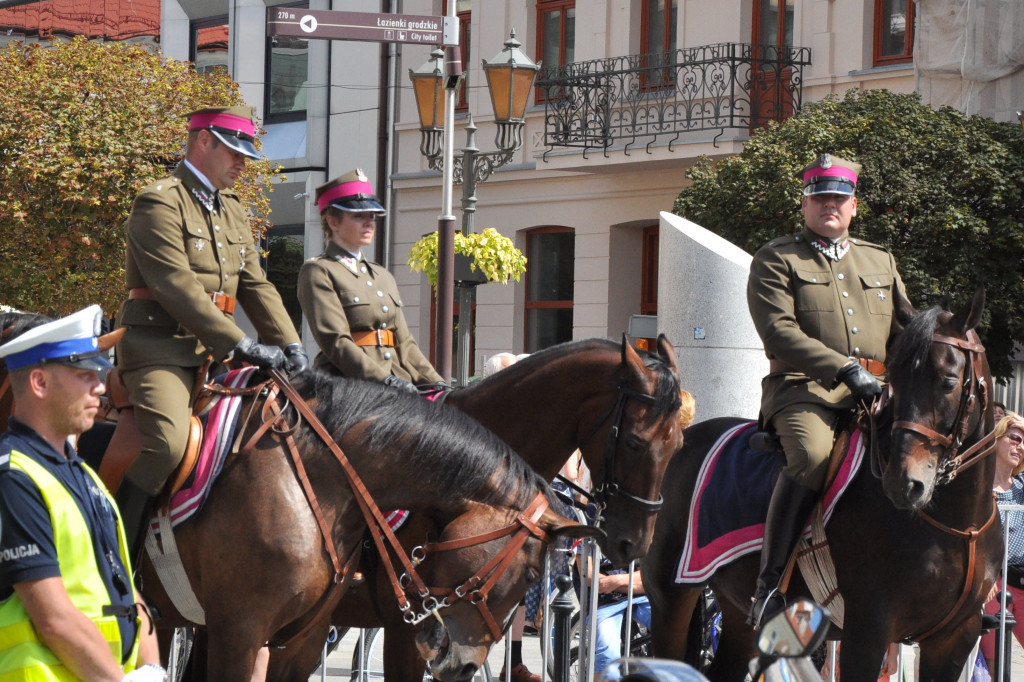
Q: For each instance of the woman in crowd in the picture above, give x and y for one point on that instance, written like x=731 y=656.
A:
x=1009 y=489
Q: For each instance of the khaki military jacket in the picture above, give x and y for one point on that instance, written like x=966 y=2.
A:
x=813 y=314
x=339 y=298
x=183 y=251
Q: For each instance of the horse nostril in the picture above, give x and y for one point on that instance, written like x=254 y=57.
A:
x=468 y=671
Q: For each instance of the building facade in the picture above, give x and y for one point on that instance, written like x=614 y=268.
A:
x=630 y=94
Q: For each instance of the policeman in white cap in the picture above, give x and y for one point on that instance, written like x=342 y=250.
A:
x=67 y=606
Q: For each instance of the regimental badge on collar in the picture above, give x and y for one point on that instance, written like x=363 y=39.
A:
x=207 y=199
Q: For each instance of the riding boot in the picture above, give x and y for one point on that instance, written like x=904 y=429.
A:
x=788 y=511
x=135 y=505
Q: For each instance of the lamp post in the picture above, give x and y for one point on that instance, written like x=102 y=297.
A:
x=510 y=75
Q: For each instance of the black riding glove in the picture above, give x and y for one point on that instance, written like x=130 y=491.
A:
x=401 y=384
x=296 y=358
x=266 y=357
x=863 y=386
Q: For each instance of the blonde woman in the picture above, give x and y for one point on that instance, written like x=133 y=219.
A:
x=1009 y=489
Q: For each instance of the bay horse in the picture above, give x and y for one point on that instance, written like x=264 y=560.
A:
x=915 y=554
x=264 y=555
x=618 y=406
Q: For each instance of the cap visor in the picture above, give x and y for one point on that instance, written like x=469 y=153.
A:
x=360 y=206
x=836 y=186
x=238 y=144
x=96 y=363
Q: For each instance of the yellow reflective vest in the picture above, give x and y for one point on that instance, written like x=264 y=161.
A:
x=23 y=657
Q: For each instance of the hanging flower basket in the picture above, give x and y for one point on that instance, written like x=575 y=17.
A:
x=486 y=256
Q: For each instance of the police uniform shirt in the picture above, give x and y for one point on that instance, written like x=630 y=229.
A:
x=27 y=549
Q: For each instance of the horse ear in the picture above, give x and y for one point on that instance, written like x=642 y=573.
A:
x=903 y=308
x=668 y=353
x=559 y=526
x=969 y=317
x=630 y=358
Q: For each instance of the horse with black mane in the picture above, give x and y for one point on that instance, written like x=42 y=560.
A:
x=620 y=407
x=915 y=554
x=272 y=549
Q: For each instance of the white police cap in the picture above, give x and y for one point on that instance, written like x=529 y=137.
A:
x=71 y=340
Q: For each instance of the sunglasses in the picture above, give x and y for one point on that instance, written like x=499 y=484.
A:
x=1014 y=438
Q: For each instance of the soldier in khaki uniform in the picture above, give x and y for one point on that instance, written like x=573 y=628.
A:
x=823 y=306
x=352 y=305
x=190 y=259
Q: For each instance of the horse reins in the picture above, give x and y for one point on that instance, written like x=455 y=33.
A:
x=523 y=527
x=610 y=487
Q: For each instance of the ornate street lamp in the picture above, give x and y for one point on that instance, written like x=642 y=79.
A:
x=510 y=75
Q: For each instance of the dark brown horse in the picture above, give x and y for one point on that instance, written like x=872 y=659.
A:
x=915 y=554
x=618 y=406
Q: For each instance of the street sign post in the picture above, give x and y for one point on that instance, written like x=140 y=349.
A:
x=366 y=26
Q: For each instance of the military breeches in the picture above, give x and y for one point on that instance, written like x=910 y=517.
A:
x=807 y=432
x=162 y=396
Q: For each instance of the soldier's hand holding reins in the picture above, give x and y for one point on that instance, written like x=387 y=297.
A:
x=862 y=384
x=261 y=355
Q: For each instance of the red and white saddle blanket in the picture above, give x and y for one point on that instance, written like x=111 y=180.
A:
x=729 y=507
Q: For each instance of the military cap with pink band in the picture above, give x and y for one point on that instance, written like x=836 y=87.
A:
x=350 y=192
x=830 y=175
x=234 y=126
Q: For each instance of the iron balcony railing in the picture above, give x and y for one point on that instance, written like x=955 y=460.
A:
x=645 y=98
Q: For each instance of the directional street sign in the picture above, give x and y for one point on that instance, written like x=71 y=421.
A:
x=388 y=28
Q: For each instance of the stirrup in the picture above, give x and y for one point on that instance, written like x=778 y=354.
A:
x=766 y=605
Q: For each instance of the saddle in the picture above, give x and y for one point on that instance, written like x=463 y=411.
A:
x=126 y=443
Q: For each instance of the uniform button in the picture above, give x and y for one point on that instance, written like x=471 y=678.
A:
x=223 y=260
x=150 y=318
x=846 y=294
x=814 y=279
x=384 y=325
x=798 y=238
x=877 y=283
x=355 y=299
x=849 y=311
x=363 y=269
x=384 y=309
x=217 y=227
x=369 y=283
x=219 y=245
x=853 y=331
x=841 y=276
x=856 y=350
x=380 y=293
x=387 y=355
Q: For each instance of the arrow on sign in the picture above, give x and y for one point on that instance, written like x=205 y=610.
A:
x=308 y=23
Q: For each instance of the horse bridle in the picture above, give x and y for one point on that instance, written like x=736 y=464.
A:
x=974 y=396
x=610 y=487
x=474 y=590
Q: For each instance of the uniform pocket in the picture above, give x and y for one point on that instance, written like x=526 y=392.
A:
x=878 y=292
x=814 y=291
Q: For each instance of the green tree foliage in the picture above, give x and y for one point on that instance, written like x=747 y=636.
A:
x=85 y=126
x=941 y=190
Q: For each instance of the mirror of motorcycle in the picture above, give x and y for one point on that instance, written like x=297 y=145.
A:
x=796 y=631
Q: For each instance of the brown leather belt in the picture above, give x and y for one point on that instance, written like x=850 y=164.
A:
x=874 y=366
x=223 y=302
x=374 y=337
